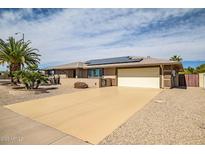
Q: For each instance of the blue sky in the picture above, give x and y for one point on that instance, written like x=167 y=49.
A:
x=67 y=35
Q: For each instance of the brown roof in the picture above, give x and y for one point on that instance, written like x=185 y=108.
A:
x=68 y=66
x=146 y=61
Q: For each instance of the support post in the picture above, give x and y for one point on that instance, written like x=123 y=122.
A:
x=162 y=76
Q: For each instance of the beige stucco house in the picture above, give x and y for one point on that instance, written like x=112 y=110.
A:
x=128 y=71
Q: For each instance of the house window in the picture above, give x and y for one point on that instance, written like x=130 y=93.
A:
x=51 y=72
x=97 y=72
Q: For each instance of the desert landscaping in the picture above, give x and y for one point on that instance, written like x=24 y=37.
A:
x=175 y=116
x=11 y=94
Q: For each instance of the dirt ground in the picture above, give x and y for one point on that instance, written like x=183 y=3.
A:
x=175 y=116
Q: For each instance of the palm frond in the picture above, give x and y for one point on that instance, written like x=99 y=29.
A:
x=18 y=52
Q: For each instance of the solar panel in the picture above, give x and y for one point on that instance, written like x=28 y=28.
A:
x=127 y=59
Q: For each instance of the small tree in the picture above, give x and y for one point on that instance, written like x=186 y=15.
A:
x=189 y=70
x=201 y=68
x=176 y=58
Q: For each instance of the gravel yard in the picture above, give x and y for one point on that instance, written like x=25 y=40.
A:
x=175 y=116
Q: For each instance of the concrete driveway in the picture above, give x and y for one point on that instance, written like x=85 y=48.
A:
x=90 y=115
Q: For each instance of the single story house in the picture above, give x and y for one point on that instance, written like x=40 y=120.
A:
x=129 y=71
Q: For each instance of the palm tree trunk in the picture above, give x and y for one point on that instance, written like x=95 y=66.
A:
x=11 y=73
x=13 y=68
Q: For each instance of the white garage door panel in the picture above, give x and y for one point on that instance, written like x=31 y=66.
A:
x=139 y=77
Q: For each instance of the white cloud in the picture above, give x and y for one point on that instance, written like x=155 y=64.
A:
x=81 y=34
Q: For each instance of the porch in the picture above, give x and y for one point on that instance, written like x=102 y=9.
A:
x=99 y=77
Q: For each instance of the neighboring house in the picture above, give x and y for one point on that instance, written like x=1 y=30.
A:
x=129 y=71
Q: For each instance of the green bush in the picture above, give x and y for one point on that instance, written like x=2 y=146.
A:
x=192 y=70
x=30 y=78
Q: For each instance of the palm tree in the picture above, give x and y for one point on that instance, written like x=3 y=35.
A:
x=176 y=58
x=17 y=54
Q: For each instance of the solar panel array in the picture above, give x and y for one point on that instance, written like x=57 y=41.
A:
x=116 y=60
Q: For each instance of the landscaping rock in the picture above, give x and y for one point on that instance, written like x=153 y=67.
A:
x=81 y=85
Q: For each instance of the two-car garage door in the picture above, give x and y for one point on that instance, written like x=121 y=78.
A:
x=148 y=77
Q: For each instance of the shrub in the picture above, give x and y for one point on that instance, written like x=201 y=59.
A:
x=80 y=85
x=30 y=78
